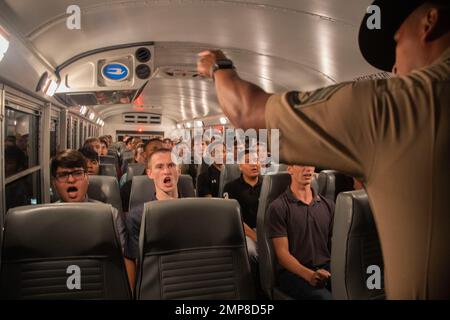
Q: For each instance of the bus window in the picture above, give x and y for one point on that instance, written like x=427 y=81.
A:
x=74 y=135
x=22 y=141
x=54 y=137
x=23 y=191
x=22 y=171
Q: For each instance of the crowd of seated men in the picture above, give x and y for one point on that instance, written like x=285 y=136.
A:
x=300 y=220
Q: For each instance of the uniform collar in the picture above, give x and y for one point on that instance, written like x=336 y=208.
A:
x=292 y=198
x=213 y=168
x=443 y=58
x=241 y=179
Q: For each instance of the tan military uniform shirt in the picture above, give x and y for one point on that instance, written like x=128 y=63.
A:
x=394 y=135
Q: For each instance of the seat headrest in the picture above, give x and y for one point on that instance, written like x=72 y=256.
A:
x=105 y=189
x=137 y=168
x=355 y=206
x=190 y=223
x=186 y=186
x=59 y=229
x=107 y=169
x=332 y=182
x=109 y=159
x=229 y=173
x=272 y=186
x=143 y=188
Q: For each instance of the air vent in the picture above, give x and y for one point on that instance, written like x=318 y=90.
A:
x=143 y=71
x=178 y=72
x=143 y=55
x=142 y=118
x=81 y=99
x=375 y=76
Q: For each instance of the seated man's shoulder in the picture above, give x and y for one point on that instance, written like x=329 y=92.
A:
x=233 y=183
x=202 y=176
x=279 y=204
x=329 y=203
x=231 y=188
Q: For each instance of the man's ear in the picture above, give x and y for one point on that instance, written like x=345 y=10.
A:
x=149 y=173
x=432 y=25
x=289 y=170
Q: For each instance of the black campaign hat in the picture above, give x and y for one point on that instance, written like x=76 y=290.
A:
x=377 y=45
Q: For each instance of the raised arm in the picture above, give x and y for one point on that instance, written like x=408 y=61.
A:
x=241 y=101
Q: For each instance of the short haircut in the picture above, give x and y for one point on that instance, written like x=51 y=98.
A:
x=68 y=159
x=91 y=140
x=104 y=140
x=151 y=141
x=241 y=156
x=167 y=140
x=89 y=153
x=162 y=150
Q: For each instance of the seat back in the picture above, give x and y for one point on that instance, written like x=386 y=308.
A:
x=105 y=189
x=229 y=173
x=108 y=170
x=48 y=250
x=332 y=182
x=143 y=188
x=272 y=187
x=112 y=151
x=135 y=169
x=108 y=160
x=114 y=160
x=127 y=155
x=355 y=247
x=193 y=249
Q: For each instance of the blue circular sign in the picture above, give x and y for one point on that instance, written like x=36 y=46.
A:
x=115 y=71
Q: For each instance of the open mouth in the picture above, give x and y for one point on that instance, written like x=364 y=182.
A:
x=72 y=192
x=307 y=175
x=167 y=181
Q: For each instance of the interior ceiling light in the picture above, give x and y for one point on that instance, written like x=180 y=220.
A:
x=198 y=124
x=83 y=110
x=188 y=125
x=91 y=116
x=51 y=88
x=223 y=120
x=4 y=43
x=179 y=126
x=47 y=85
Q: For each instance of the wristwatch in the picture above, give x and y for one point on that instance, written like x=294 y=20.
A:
x=221 y=64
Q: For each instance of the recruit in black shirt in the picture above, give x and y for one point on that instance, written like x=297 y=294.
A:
x=247 y=196
x=208 y=182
